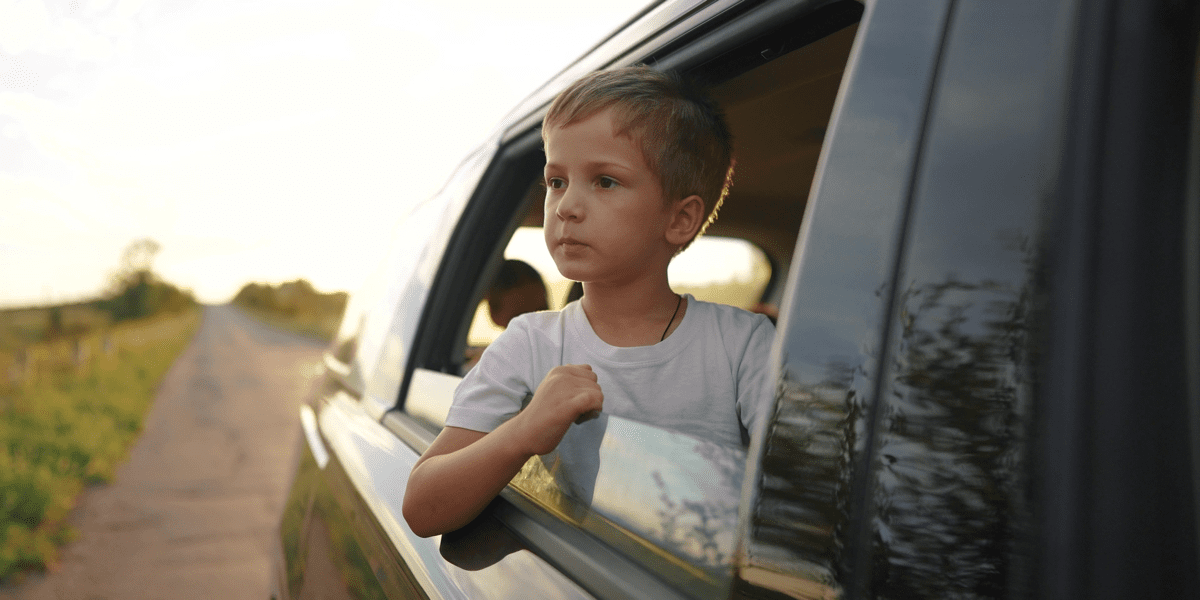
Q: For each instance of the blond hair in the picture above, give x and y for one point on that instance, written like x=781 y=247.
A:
x=680 y=130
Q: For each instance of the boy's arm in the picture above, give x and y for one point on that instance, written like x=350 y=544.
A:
x=463 y=469
x=457 y=476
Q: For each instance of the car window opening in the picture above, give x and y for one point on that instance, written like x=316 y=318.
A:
x=740 y=259
x=778 y=113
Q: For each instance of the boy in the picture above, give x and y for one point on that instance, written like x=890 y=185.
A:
x=637 y=164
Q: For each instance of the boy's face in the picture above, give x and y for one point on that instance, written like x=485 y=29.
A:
x=605 y=218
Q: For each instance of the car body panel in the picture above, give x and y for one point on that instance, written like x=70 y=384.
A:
x=668 y=499
x=333 y=542
x=350 y=511
x=1114 y=443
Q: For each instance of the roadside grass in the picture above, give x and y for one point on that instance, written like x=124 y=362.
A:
x=69 y=412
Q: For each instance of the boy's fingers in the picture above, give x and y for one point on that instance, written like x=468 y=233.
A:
x=587 y=416
x=584 y=371
x=590 y=398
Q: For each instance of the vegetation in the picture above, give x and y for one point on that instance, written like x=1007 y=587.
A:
x=70 y=423
x=136 y=292
x=75 y=383
x=22 y=327
x=295 y=305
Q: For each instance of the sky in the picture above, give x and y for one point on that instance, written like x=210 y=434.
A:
x=259 y=140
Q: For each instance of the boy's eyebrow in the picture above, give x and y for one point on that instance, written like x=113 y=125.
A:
x=596 y=164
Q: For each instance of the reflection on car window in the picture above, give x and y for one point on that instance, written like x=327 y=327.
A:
x=629 y=483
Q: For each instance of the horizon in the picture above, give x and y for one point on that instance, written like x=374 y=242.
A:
x=262 y=143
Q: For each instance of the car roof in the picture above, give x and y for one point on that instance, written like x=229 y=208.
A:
x=627 y=39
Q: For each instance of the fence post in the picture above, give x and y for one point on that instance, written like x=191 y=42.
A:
x=80 y=354
x=18 y=371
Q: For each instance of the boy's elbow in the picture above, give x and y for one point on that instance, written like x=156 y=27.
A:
x=411 y=517
x=422 y=523
x=416 y=524
x=416 y=513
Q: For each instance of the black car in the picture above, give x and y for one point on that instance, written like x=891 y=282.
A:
x=978 y=222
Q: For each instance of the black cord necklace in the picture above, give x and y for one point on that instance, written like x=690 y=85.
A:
x=678 y=301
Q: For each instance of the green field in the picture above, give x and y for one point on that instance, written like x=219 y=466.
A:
x=69 y=411
x=22 y=327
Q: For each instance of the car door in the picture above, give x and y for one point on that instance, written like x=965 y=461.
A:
x=970 y=406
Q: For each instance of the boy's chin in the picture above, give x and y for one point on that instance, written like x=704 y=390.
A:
x=569 y=271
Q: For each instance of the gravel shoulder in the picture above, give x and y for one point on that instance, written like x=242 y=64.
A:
x=193 y=512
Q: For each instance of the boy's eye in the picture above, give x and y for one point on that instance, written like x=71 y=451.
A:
x=607 y=183
x=555 y=183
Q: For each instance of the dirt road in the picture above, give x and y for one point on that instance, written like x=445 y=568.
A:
x=193 y=512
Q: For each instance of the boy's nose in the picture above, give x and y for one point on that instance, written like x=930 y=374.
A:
x=569 y=208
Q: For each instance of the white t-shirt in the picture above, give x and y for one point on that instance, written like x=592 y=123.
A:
x=707 y=379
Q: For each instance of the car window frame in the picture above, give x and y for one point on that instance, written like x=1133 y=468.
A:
x=492 y=212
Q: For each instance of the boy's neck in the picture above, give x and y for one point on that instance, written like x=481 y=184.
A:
x=634 y=314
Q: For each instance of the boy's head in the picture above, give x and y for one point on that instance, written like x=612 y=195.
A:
x=681 y=131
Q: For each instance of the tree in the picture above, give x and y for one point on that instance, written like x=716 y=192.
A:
x=134 y=289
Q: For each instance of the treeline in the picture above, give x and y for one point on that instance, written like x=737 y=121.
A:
x=143 y=294
x=134 y=291
x=296 y=305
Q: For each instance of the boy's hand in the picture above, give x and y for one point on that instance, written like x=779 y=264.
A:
x=568 y=394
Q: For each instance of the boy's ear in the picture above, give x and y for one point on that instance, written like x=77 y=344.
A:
x=686 y=218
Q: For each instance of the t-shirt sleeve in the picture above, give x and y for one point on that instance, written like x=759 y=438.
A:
x=755 y=392
x=494 y=390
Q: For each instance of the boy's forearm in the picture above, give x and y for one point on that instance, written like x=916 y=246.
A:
x=463 y=470
x=447 y=491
